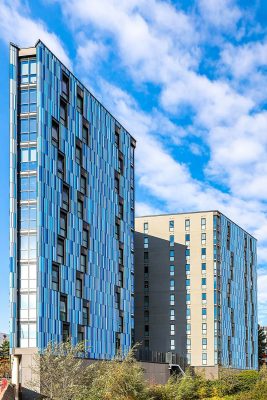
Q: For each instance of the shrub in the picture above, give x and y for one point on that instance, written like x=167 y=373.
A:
x=161 y=392
x=258 y=393
x=188 y=386
x=117 y=380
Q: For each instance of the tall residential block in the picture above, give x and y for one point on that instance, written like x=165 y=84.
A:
x=71 y=212
x=195 y=275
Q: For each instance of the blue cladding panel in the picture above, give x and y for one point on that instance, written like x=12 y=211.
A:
x=100 y=161
x=237 y=279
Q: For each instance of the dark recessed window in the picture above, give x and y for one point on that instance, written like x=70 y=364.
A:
x=63 y=113
x=60 y=166
x=65 y=85
x=79 y=100
x=63 y=224
x=121 y=278
x=117 y=184
x=65 y=198
x=55 y=132
x=65 y=332
x=117 y=300
x=117 y=136
x=83 y=261
x=86 y=315
x=85 y=239
x=78 y=153
x=120 y=324
x=60 y=251
x=55 y=277
x=83 y=184
x=78 y=288
x=117 y=231
x=121 y=256
x=121 y=166
x=80 y=334
x=85 y=133
x=121 y=211
x=80 y=208
x=63 y=308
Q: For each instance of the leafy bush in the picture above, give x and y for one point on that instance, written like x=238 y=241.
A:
x=117 y=380
x=258 y=393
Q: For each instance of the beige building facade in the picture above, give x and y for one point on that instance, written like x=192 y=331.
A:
x=216 y=281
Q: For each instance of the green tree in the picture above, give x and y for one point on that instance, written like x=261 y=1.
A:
x=261 y=344
x=4 y=349
x=59 y=372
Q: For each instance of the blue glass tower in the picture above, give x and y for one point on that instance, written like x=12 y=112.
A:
x=71 y=211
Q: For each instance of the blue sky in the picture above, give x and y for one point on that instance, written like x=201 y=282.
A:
x=187 y=78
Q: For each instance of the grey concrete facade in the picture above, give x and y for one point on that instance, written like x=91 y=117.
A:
x=152 y=284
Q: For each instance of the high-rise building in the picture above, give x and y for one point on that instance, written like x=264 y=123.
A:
x=195 y=275
x=71 y=212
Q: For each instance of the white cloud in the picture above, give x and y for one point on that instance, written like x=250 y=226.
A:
x=89 y=54
x=221 y=14
x=16 y=25
x=252 y=54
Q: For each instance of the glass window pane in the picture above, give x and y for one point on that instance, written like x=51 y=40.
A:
x=32 y=96
x=24 y=271
x=32 y=301
x=24 y=126
x=24 y=155
x=24 y=68
x=24 y=99
x=32 y=154
x=23 y=301
x=33 y=126
x=32 y=67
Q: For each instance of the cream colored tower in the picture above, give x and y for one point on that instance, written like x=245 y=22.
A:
x=215 y=270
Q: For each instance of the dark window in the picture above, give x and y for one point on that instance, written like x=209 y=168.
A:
x=146 y=257
x=117 y=231
x=132 y=176
x=117 y=136
x=63 y=308
x=55 y=277
x=80 y=334
x=65 y=198
x=78 y=153
x=118 y=342
x=63 y=113
x=121 y=166
x=80 y=208
x=65 y=85
x=146 y=344
x=55 y=132
x=60 y=166
x=83 y=265
x=86 y=315
x=85 y=134
x=85 y=239
x=63 y=224
x=79 y=100
x=79 y=285
x=117 y=300
x=121 y=278
x=60 y=251
x=121 y=211
x=117 y=184
x=65 y=332
x=83 y=184
x=121 y=256
x=132 y=153
x=120 y=324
